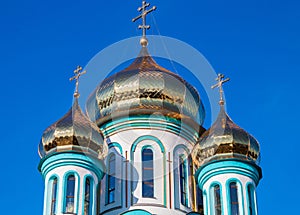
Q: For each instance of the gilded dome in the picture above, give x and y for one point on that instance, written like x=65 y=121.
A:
x=145 y=88
x=225 y=140
x=73 y=132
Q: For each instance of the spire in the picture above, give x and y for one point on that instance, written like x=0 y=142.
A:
x=76 y=77
x=220 y=79
x=144 y=26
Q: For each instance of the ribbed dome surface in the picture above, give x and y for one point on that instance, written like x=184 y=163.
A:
x=73 y=132
x=145 y=88
x=225 y=140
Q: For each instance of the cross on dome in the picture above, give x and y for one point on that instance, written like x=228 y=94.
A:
x=220 y=79
x=76 y=77
x=144 y=26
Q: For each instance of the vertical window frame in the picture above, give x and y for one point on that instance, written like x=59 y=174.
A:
x=251 y=200
x=213 y=192
x=183 y=180
x=88 y=181
x=230 y=195
x=53 y=197
x=76 y=184
x=111 y=179
x=150 y=182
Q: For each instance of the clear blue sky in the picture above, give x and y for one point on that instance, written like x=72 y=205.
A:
x=255 y=42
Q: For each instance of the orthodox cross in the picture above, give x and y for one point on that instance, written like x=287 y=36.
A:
x=76 y=77
x=142 y=16
x=220 y=79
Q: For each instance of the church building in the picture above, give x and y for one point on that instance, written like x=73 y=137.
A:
x=140 y=148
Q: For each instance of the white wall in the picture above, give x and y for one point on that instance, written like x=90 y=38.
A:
x=166 y=193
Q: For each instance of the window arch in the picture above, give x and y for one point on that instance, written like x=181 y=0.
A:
x=251 y=200
x=53 y=196
x=88 y=196
x=111 y=179
x=234 y=202
x=147 y=173
x=70 y=194
x=217 y=203
x=183 y=180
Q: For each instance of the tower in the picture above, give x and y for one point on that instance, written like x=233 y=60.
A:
x=147 y=114
x=151 y=118
x=227 y=159
x=71 y=152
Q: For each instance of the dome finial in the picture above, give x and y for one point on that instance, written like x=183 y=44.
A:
x=76 y=77
x=220 y=79
x=144 y=27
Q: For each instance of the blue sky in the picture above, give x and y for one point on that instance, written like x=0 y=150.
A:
x=256 y=43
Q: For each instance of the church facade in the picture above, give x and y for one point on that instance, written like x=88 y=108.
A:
x=140 y=148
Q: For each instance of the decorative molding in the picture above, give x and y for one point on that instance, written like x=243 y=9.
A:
x=169 y=124
x=147 y=137
x=227 y=166
x=74 y=159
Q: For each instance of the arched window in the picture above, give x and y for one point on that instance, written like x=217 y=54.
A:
x=183 y=180
x=147 y=173
x=217 y=200
x=251 y=203
x=70 y=194
x=111 y=179
x=234 y=202
x=87 y=197
x=53 y=196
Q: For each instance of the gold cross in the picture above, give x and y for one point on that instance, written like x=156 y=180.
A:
x=76 y=77
x=144 y=27
x=221 y=81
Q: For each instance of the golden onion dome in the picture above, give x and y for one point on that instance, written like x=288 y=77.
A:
x=145 y=88
x=225 y=140
x=74 y=132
